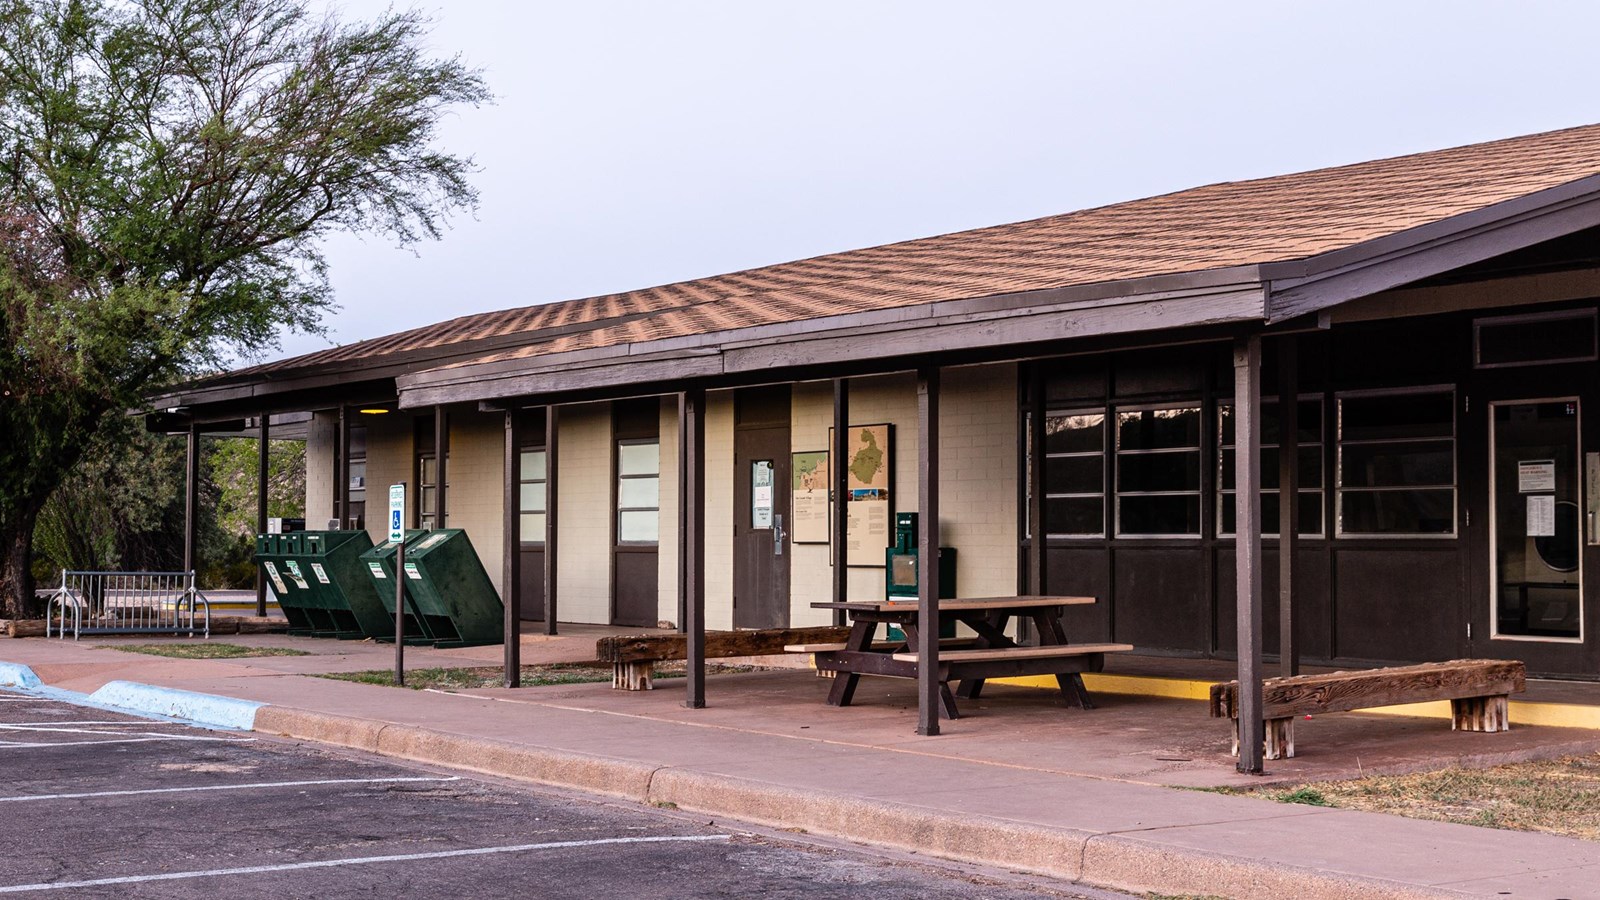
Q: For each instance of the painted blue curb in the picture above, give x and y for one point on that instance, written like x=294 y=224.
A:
x=202 y=709
x=18 y=675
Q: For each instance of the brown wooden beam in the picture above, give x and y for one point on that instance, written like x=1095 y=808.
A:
x=1288 y=503
x=1247 y=547
x=692 y=447
x=928 y=685
x=511 y=564
x=441 y=449
x=343 y=493
x=839 y=495
x=1037 y=539
x=552 y=535
x=263 y=449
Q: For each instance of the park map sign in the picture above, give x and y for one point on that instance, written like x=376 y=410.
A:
x=869 y=471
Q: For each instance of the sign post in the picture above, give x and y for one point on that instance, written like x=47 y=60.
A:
x=397 y=535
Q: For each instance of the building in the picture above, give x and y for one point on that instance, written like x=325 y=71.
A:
x=1433 y=316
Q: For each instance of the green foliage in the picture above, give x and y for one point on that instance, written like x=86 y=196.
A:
x=233 y=463
x=167 y=170
x=1305 y=795
x=205 y=650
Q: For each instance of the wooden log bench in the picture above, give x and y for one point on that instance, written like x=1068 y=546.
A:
x=633 y=657
x=1478 y=691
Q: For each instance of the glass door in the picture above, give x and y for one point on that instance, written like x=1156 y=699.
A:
x=1536 y=521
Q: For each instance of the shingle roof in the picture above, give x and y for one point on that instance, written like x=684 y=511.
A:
x=1267 y=220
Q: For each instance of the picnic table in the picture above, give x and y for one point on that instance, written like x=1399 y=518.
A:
x=969 y=661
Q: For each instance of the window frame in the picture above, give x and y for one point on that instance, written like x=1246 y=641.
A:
x=1106 y=424
x=619 y=509
x=1558 y=315
x=522 y=479
x=441 y=517
x=1224 y=496
x=1197 y=404
x=1454 y=487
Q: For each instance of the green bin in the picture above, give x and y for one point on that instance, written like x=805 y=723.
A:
x=378 y=566
x=332 y=566
x=304 y=605
x=449 y=595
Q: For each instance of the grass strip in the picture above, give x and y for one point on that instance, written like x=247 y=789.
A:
x=205 y=650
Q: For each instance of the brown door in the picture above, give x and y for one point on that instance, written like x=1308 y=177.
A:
x=636 y=526
x=761 y=499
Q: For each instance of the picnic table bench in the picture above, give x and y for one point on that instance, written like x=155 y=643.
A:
x=633 y=657
x=1478 y=691
x=989 y=654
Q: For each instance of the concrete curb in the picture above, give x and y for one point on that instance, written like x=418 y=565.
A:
x=17 y=675
x=201 y=709
x=1114 y=861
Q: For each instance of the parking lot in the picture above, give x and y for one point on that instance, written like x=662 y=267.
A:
x=102 y=804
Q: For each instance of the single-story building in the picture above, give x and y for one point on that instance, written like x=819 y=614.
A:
x=1064 y=392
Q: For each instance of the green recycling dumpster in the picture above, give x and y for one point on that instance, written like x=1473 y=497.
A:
x=331 y=563
x=379 y=565
x=285 y=560
x=449 y=597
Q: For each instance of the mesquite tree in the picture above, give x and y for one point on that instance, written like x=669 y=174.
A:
x=167 y=169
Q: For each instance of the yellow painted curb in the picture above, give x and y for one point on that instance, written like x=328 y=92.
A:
x=1522 y=712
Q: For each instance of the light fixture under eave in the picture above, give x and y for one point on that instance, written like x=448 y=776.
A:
x=372 y=412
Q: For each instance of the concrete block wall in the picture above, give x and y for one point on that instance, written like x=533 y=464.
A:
x=719 y=510
x=476 y=478
x=978 y=488
x=667 y=570
x=584 y=514
x=391 y=458
x=322 y=436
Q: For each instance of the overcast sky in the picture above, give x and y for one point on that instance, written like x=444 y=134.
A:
x=640 y=142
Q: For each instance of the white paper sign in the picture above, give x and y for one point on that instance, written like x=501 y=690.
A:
x=377 y=570
x=1541 y=515
x=1536 y=475
x=320 y=572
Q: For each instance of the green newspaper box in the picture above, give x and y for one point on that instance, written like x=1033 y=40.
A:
x=449 y=595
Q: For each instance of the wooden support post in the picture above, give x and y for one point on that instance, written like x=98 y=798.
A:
x=1247 y=546
x=511 y=564
x=1036 y=527
x=191 y=496
x=342 y=493
x=839 y=495
x=692 y=448
x=552 y=476
x=441 y=449
x=929 y=694
x=263 y=448
x=1288 y=504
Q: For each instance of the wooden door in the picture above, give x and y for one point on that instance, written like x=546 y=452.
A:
x=636 y=524
x=761 y=514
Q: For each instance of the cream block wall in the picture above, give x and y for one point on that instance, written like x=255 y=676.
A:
x=391 y=458
x=978 y=424
x=584 y=514
x=475 y=474
x=719 y=511
x=667 y=568
x=322 y=435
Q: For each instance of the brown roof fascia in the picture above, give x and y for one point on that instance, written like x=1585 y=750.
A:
x=1166 y=302
x=1304 y=286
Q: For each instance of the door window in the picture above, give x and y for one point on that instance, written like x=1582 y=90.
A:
x=639 y=491
x=531 y=497
x=1537 y=530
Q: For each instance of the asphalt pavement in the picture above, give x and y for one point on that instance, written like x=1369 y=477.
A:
x=103 y=804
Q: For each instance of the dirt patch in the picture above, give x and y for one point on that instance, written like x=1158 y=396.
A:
x=1558 y=796
x=206 y=650
x=494 y=676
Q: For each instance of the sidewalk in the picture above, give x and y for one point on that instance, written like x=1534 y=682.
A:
x=1027 y=808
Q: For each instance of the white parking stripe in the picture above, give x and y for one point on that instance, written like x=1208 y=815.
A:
x=60 y=722
x=23 y=745
x=221 y=787
x=54 y=729
x=356 y=861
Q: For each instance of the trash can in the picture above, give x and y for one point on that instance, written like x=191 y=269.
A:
x=332 y=566
x=450 y=591
x=278 y=555
x=378 y=566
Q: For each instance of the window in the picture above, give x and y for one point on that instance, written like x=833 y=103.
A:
x=1158 y=471
x=1308 y=430
x=1535 y=339
x=358 y=476
x=1074 y=474
x=639 y=491
x=1396 y=469
x=428 y=491
x=531 y=497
